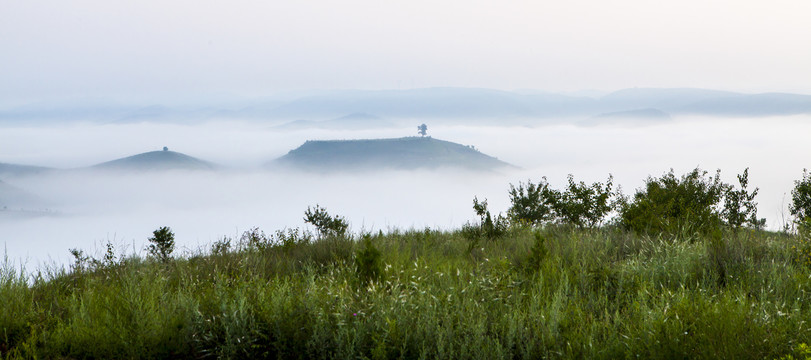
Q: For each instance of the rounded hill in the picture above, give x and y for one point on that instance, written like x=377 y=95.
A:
x=400 y=153
x=157 y=160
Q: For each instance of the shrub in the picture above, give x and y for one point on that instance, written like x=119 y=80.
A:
x=325 y=224
x=489 y=227
x=675 y=205
x=162 y=244
x=532 y=204
x=583 y=205
x=537 y=254
x=740 y=208
x=801 y=198
x=367 y=262
x=579 y=204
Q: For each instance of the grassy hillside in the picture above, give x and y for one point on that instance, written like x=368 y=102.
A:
x=400 y=153
x=157 y=160
x=552 y=292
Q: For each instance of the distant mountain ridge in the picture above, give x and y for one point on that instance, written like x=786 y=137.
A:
x=451 y=105
x=354 y=121
x=406 y=153
x=472 y=105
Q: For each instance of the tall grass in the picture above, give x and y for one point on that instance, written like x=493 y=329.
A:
x=555 y=292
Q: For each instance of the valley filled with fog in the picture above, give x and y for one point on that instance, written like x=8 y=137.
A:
x=83 y=208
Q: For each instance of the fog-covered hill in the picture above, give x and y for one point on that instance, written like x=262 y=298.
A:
x=12 y=197
x=375 y=154
x=157 y=160
x=15 y=170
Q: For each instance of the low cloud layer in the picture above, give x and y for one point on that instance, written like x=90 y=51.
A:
x=86 y=209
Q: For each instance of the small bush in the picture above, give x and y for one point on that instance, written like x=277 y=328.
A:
x=367 y=262
x=325 y=224
x=537 y=254
x=584 y=205
x=162 y=244
x=489 y=227
x=685 y=205
x=740 y=208
x=578 y=204
x=532 y=204
x=801 y=198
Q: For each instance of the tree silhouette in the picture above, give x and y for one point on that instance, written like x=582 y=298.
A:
x=422 y=129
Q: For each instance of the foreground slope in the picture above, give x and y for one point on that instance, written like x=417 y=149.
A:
x=400 y=153
x=157 y=160
x=553 y=292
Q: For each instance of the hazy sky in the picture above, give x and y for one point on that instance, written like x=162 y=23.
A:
x=160 y=49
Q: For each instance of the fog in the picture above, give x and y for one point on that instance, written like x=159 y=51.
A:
x=84 y=209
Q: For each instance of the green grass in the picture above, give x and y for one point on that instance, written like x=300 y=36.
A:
x=551 y=293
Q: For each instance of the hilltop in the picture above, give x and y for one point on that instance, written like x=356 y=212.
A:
x=400 y=153
x=157 y=160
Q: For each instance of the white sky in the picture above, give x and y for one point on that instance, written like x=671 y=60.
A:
x=152 y=48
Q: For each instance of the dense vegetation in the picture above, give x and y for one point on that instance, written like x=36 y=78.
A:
x=569 y=284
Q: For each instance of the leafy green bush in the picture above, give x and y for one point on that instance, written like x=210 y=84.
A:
x=801 y=198
x=162 y=244
x=740 y=208
x=325 y=224
x=578 y=204
x=676 y=205
x=532 y=204
x=584 y=205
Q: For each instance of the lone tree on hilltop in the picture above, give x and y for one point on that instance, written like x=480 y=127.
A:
x=422 y=129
